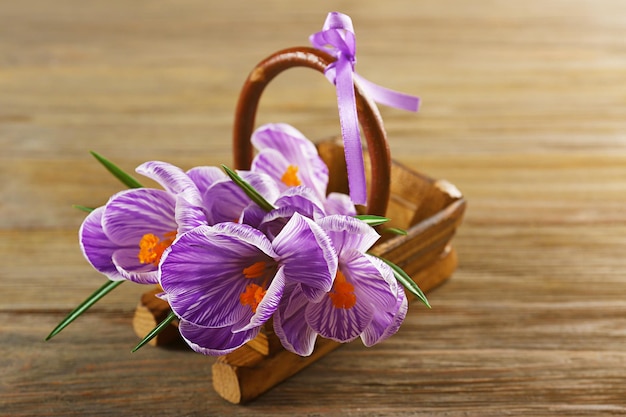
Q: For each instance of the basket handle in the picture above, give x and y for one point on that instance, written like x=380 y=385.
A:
x=369 y=118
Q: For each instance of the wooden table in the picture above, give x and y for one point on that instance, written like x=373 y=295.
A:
x=524 y=109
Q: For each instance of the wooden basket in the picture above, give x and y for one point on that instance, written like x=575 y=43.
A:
x=428 y=209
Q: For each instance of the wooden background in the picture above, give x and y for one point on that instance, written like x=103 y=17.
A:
x=524 y=109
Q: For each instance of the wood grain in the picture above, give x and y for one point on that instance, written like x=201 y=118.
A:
x=524 y=110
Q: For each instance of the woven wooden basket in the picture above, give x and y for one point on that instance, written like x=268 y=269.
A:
x=430 y=211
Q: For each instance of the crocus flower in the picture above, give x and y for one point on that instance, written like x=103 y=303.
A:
x=126 y=237
x=287 y=156
x=365 y=299
x=229 y=278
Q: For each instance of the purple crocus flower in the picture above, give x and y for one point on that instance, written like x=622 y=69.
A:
x=365 y=299
x=229 y=278
x=126 y=237
x=287 y=156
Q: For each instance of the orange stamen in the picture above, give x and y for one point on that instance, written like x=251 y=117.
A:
x=342 y=294
x=151 y=248
x=256 y=270
x=290 y=177
x=252 y=296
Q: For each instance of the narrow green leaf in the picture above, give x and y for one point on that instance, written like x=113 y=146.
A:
x=83 y=208
x=248 y=189
x=372 y=220
x=126 y=179
x=395 y=231
x=84 y=306
x=158 y=329
x=404 y=279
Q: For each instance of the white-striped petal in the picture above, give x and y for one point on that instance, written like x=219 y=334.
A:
x=386 y=323
x=172 y=179
x=373 y=279
x=202 y=272
x=127 y=263
x=339 y=324
x=97 y=247
x=214 y=341
x=290 y=323
x=348 y=233
x=307 y=255
x=205 y=176
x=131 y=214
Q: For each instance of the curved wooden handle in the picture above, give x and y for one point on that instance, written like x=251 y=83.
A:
x=369 y=118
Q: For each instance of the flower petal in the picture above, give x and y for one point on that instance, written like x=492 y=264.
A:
x=373 y=279
x=272 y=163
x=386 y=323
x=128 y=265
x=202 y=272
x=252 y=216
x=348 y=233
x=214 y=341
x=304 y=199
x=290 y=324
x=224 y=201
x=131 y=214
x=203 y=177
x=172 y=178
x=339 y=324
x=97 y=247
x=188 y=216
x=307 y=255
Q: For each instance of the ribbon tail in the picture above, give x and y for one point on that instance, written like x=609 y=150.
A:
x=349 y=121
x=388 y=97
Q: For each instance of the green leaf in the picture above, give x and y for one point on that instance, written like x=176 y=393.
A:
x=404 y=279
x=158 y=329
x=395 y=231
x=248 y=189
x=84 y=306
x=372 y=220
x=83 y=208
x=126 y=179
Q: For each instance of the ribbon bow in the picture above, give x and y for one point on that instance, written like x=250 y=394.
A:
x=337 y=38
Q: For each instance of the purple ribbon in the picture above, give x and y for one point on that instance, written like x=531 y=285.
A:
x=337 y=39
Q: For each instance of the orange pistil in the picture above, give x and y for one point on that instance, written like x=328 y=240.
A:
x=151 y=248
x=256 y=270
x=252 y=296
x=290 y=177
x=342 y=294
